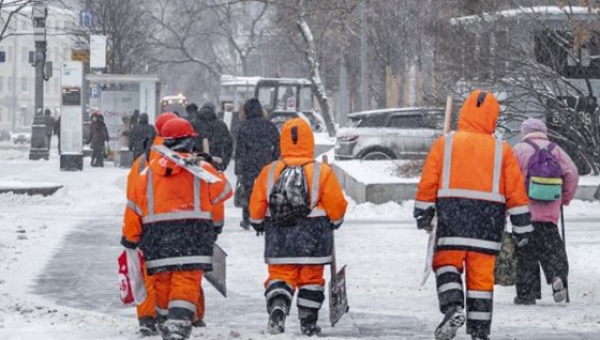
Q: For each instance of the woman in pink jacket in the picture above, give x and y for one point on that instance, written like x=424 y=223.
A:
x=545 y=246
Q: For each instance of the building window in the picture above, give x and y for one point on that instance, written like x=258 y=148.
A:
x=24 y=84
x=24 y=55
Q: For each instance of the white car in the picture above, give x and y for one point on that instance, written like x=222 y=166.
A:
x=403 y=133
x=21 y=135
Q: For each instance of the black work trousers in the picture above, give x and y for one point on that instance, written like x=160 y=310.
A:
x=545 y=247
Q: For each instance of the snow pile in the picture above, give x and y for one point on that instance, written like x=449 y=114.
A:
x=374 y=172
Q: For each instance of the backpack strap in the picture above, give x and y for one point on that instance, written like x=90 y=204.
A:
x=551 y=146
x=315 y=185
x=532 y=144
x=271 y=177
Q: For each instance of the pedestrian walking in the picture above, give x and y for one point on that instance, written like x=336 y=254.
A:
x=98 y=139
x=470 y=181
x=179 y=229
x=57 y=133
x=142 y=136
x=49 y=122
x=257 y=146
x=297 y=203
x=551 y=178
x=208 y=126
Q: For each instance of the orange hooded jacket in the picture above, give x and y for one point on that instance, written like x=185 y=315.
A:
x=473 y=179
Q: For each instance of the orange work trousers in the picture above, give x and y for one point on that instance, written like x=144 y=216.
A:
x=146 y=309
x=448 y=266
x=296 y=275
x=179 y=289
x=200 y=306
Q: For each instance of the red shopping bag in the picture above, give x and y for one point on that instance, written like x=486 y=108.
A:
x=132 y=288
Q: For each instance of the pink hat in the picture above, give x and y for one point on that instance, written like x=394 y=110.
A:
x=533 y=125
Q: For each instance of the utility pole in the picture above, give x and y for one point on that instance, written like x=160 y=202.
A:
x=39 y=144
x=363 y=57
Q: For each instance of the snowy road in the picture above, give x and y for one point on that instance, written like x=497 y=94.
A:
x=58 y=271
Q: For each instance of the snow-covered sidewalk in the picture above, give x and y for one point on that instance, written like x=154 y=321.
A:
x=58 y=270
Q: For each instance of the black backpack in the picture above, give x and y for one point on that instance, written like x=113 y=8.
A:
x=289 y=201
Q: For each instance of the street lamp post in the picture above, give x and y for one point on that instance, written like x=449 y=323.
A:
x=39 y=144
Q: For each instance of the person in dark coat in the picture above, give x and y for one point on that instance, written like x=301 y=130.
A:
x=135 y=117
x=98 y=139
x=257 y=146
x=142 y=136
x=207 y=125
x=57 y=133
x=191 y=111
x=49 y=122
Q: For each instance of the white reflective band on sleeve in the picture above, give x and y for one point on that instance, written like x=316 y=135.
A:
x=449 y=286
x=308 y=303
x=469 y=242
x=315 y=185
x=473 y=194
x=522 y=230
x=134 y=207
x=447 y=269
x=423 y=205
x=497 y=167
x=313 y=288
x=279 y=291
x=142 y=164
x=447 y=162
x=150 y=192
x=480 y=294
x=257 y=220
x=218 y=223
x=518 y=210
x=272 y=282
x=224 y=194
x=179 y=215
x=298 y=260
x=317 y=213
x=161 y=311
x=479 y=316
x=174 y=261
x=182 y=304
x=196 y=193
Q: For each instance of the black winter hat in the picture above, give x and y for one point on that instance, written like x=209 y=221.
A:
x=253 y=108
x=192 y=107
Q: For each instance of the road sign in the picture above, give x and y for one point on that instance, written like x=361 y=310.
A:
x=98 y=51
x=2 y=56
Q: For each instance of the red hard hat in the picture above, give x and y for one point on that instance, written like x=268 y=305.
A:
x=162 y=119
x=177 y=128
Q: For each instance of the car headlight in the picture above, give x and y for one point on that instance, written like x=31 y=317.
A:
x=348 y=139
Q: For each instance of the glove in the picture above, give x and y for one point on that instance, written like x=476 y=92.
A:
x=207 y=157
x=335 y=226
x=259 y=227
x=218 y=230
x=425 y=218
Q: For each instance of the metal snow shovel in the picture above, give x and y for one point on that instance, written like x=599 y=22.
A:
x=218 y=277
x=338 y=299
x=562 y=222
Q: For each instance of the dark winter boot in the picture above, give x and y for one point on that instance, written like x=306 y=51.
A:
x=480 y=337
x=160 y=325
x=453 y=320
x=199 y=324
x=559 y=291
x=308 y=321
x=178 y=329
x=147 y=326
x=524 y=301
x=278 y=311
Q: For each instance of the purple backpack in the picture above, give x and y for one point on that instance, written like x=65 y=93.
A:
x=544 y=174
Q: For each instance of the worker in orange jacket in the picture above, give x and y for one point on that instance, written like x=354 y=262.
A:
x=145 y=311
x=296 y=254
x=178 y=229
x=471 y=180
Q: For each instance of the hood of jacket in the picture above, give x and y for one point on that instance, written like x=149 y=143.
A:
x=207 y=112
x=297 y=140
x=479 y=113
x=144 y=118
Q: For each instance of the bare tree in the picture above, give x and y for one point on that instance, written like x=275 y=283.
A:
x=9 y=10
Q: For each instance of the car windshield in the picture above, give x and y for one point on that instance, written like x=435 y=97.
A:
x=374 y=120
